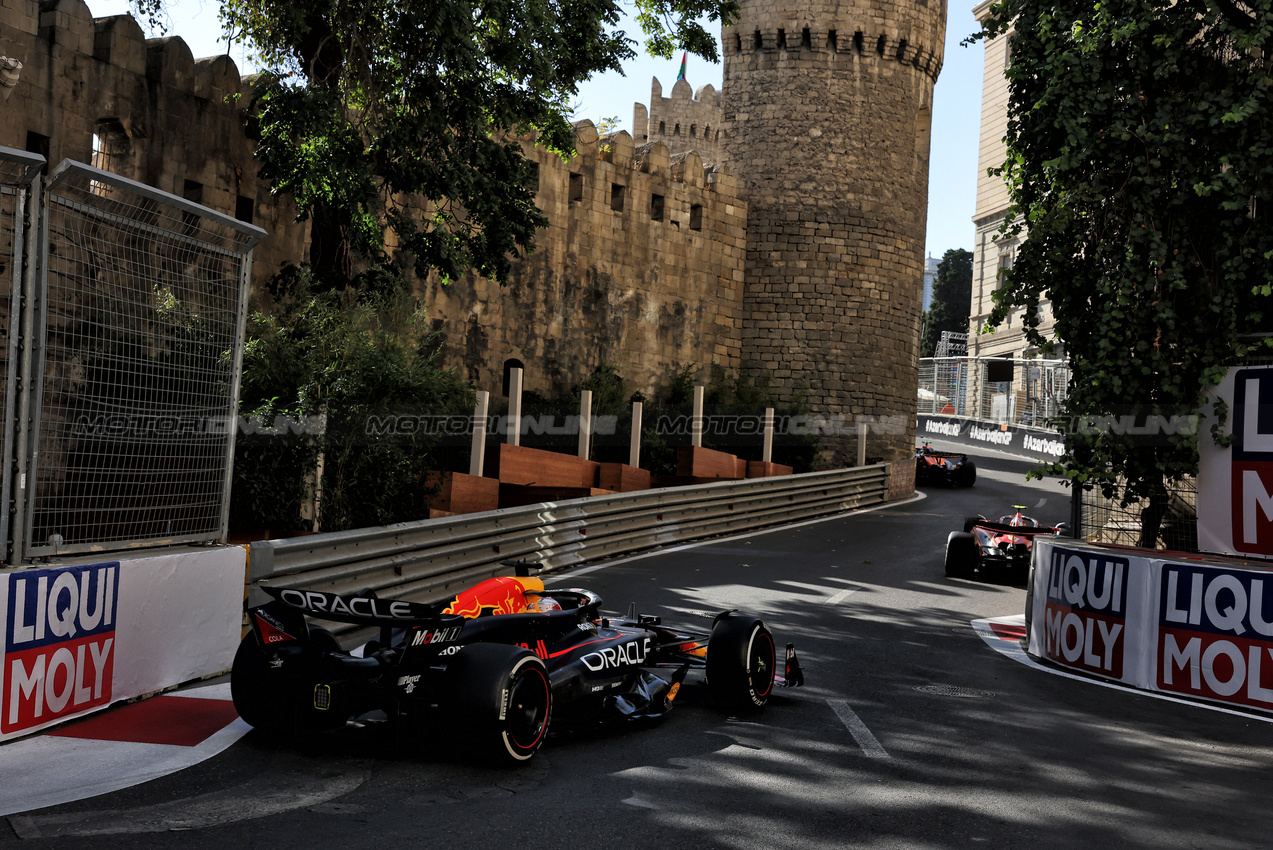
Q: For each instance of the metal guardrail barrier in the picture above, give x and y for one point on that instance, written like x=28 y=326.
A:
x=428 y=560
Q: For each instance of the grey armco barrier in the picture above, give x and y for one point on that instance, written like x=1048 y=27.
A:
x=429 y=560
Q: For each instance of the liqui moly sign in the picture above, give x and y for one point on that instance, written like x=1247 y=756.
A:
x=1215 y=633
x=1235 y=482
x=59 y=642
x=1085 y=616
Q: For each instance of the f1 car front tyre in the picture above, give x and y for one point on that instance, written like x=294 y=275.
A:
x=500 y=700
x=961 y=555
x=741 y=663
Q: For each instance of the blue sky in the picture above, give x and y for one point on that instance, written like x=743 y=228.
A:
x=956 y=104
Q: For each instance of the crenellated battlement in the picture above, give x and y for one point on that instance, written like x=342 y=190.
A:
x=687 y=120
x=848 y=42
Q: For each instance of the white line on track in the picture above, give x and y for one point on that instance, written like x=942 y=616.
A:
x=870 y=747
x=842 y=595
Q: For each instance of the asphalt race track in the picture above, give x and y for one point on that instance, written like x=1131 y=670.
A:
x=913 y=731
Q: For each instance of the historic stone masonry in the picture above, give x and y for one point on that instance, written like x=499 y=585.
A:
x=827 y=109
x=640 y=267
x=777 y=223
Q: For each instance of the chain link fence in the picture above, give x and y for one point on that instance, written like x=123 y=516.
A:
x=992 y=389
x=1107 y=520
x=135 y=331
x=17 y=175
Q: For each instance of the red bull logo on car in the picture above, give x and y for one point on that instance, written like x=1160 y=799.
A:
x=59 y=644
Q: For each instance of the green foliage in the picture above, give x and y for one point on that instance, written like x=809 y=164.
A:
x=405 y=115
x=952 y=299
x=336 y=364
x=1140 y=160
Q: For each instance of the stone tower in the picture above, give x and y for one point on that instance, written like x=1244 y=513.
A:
x=826 y=112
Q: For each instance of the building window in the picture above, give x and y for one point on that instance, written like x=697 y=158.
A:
x=656 y=207
x=782 y=39
x=37 y=143
x=831 y=41
x=1005 y=265
x=806 y=39
x=576 y=187
x=244 y=208
x=677 y=131
x=693 y=131
x=616 y=196
x=696 y=216
x=110 y=150
x=509 y=365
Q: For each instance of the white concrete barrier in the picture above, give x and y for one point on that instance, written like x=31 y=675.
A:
x=79 y=638
x=1197 y=626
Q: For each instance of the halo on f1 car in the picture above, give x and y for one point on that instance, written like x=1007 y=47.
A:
x=494 y=667
x=1002 y=546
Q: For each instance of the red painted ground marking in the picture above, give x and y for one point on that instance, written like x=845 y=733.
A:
x=1008 y=632
x=179 y=721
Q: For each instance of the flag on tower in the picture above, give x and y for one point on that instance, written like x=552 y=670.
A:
x=681 y=75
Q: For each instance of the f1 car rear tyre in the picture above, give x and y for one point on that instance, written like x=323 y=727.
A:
x=966 y=475
x=259 y=693
x=741 y=663
x=268 y=700
x=500 y=699
x=961 y=554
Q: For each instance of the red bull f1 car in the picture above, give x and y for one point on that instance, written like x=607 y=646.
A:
x=492 y=667
x=989 y=546
x=949 y=468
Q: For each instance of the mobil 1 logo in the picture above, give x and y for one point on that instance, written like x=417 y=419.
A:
x=1251 y=475
x=1215 y=633
x=1086 y=613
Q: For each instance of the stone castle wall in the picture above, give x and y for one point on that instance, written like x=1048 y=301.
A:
x=683 y=122
x=827 y=107
x=609 y=281
x=783 y=227
x=161 y=114
x=640 y=267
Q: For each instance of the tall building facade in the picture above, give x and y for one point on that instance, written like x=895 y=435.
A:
x=991 y=253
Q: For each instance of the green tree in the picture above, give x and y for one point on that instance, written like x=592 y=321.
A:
x=1140 y=161
x=347 y=376
x=404 y=115
x=952 y=299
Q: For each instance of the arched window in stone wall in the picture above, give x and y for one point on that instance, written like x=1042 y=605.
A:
x=923 y=131
x=111 y=149
x=677 y=131
x=693 y=131
x=662 y=128
x=707 y=133
x=509 y=365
